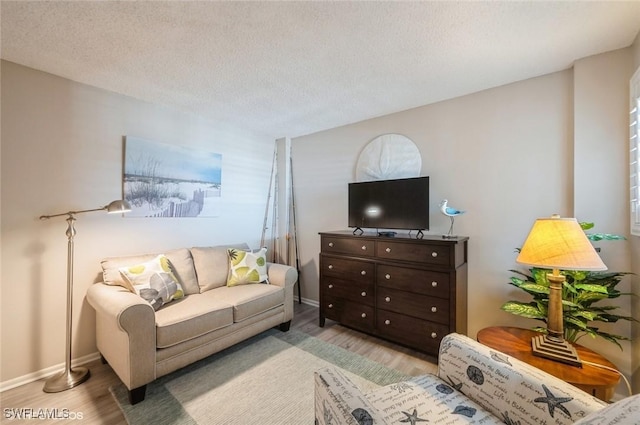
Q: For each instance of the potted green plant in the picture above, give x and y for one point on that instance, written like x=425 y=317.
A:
x=581 y=294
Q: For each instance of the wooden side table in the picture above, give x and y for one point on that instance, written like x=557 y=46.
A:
x=516 y=342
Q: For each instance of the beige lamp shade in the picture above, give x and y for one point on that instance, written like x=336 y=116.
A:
x=559 y=243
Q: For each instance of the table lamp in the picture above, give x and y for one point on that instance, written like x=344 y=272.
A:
x=558 y=244
x=70 y=378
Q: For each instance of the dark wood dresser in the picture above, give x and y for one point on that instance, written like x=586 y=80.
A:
x=407 y=290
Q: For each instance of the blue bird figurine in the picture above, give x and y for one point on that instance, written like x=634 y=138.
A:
x=452 y=213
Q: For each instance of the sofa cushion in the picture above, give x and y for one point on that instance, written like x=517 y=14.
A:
x=427 y=399
x=154 y=281
x=212 y=265
x=191 y=317
x=249 y=300
x=180 y=260
x=247 y=267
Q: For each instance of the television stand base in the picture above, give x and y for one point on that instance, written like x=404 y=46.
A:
x=387 y=234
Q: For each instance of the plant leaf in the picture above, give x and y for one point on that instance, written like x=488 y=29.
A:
x=589 y=315
x=540 y=276
x=577 y=275
x=586 y=225
x=576 y=322
x=604 y=237
x=529 y=278
x=590 y=287
x=522 y=309
x=587 y=298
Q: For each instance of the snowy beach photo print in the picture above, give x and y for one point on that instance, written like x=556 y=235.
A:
x=162 y=180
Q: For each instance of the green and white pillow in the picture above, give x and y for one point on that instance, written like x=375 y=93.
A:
x=247 y=267
x=154 y=281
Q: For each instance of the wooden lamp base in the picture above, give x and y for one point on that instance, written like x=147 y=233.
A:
x=561 y=351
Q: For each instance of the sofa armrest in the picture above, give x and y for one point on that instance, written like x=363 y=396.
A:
x=505 y=386
x=623 y=412
x=282 y=275
x=338 y=401
x=286 y=277
x=125 y=333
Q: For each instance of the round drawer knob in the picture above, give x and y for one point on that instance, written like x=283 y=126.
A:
x=388 y=299
x=434 y=254
x=388 y=250
x=330 y=286
x=434 y=283
x=363 y=272
x=387 y=322
x=330 y=305
x=364 y=315
x=331 y=244
x=434 y=310
x=364 y=294
x=387 y=276
x=330 y=266
x=364 y=247
x=434 y=335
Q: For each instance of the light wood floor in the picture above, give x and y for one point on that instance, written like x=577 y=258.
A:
x=94 y=402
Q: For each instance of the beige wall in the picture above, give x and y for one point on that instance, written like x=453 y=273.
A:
x=601 y=172
x=62 y=150
x=507 y=155
x=635 y=264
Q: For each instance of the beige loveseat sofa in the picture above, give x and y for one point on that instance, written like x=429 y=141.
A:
x=142 y=344
x=474 y=385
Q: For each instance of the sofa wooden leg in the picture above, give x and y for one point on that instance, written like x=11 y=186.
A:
x=136 y=395
x=103 y=360
x=284 y=327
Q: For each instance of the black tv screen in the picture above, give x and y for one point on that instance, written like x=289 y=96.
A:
x=390 y=204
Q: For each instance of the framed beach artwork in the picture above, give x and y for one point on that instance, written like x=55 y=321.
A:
x=162 y=180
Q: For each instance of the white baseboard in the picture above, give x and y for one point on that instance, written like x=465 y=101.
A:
x=45 y=373
x=307 y=301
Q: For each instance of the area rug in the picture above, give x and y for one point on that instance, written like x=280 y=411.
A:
x=266 y=380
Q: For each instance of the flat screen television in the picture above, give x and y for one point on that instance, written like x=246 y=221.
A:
x=390 y=204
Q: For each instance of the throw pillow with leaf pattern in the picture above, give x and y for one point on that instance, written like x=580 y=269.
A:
x=154 y=281
x=247 y=267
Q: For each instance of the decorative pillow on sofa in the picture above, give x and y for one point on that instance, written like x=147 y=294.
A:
x=182 y=266
x=154 y=281
x=247 y=267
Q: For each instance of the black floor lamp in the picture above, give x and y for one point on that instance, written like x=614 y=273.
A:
x=70 y=378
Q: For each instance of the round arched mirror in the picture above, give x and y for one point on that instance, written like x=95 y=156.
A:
x=390 y=156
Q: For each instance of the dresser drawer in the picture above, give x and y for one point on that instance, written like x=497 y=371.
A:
x=355 y=315
x=426 y=282
x=347 y=269
x=410 y=304
x=340 y=288
x=353 y=246
x=433 y=254
x=420 y=334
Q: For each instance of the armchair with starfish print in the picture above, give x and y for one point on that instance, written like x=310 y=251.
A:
x=474 y=385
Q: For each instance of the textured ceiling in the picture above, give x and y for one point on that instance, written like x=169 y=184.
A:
x=281 y=69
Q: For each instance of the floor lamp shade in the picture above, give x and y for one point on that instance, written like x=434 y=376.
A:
x=69 y=377
x=558 y=244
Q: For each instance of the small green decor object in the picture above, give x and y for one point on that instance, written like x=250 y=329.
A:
x=581 y=292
